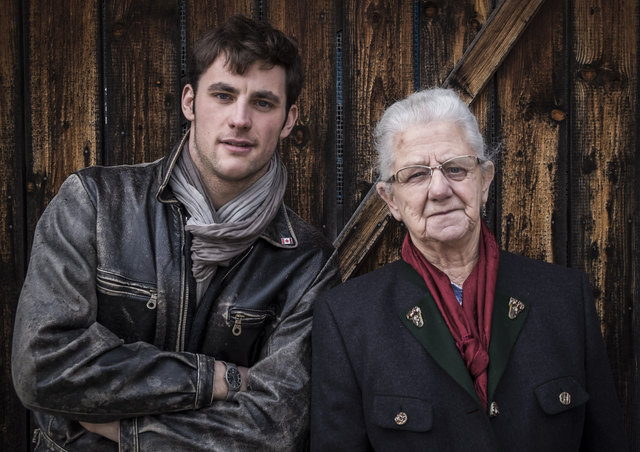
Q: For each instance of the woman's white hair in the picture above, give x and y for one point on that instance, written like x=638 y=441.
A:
x=420 y=109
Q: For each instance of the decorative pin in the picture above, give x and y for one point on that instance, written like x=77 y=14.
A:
x=493 y=409
x=415 y=315
x=401 y=418
x=286 y=240
x=515 y=308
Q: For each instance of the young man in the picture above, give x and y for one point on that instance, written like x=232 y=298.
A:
x=167 y=306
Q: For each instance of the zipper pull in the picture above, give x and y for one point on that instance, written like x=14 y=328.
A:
x=153 y=300
x=237 y=326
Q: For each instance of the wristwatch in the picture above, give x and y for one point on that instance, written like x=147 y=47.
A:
x=233 y=378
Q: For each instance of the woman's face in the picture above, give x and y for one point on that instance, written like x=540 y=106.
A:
x=441 y=212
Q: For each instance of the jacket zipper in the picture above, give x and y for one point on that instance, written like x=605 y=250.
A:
x=182 y=327
x=240 y=317
x=107 y=287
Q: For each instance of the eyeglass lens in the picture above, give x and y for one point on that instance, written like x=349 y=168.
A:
x=455 y=169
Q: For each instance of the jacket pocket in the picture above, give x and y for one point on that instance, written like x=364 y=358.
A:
x=402 y=413
x=242 y=318
x=561 y=394
x=127 y=307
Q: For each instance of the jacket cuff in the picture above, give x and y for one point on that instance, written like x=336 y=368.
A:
x=128 y=435
x=205 y=384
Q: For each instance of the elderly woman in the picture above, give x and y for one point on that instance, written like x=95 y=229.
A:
x=458 y=346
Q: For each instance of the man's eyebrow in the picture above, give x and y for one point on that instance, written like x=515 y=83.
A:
x=221 y=86
x=268 y=95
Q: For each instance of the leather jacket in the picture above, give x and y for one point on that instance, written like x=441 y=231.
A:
x=107 y=326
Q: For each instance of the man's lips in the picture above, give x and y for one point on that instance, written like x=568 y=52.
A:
x=237 y=143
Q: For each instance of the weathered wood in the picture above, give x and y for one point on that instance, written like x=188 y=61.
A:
x=353 y=250
x=141 y=54
x=605 y=171
x=446 y=30
x=63 y=108
x=490 y=47
x=377 y=72
x=14 y=421
x=310 y=148
x=202 y=15
x=533 y=106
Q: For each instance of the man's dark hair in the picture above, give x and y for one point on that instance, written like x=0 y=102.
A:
x=243 y=42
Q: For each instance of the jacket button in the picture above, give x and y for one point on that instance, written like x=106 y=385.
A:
x=565 y=398
x=401 y=418
x=494 y=410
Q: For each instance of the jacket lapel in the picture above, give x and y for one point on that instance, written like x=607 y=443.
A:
x=434 y=334
x=509 y=315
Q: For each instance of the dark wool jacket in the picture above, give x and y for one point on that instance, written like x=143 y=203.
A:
x=107 y=327
x=382 y=382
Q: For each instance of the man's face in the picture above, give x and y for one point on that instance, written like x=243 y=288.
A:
x=236 y=123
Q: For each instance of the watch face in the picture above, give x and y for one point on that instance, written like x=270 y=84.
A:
x=233 y=377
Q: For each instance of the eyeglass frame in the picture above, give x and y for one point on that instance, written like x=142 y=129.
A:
x=394 y=177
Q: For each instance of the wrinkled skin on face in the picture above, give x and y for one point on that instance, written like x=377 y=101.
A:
x=445 y=216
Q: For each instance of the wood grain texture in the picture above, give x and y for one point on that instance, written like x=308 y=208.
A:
x=378 y=69
x=378 y=44
x=142 y=85
x=14 y=420
x=309 y=151
x=63 y=107
x=445 y=31
x=510 y=18
x=604 y=175
x=532 y=99
x=202 y=15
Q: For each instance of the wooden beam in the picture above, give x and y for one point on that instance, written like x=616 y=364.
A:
x=480 y=61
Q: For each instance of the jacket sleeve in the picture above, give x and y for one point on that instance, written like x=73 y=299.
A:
x=273 y=414
x=67 y=364
x=603 y=425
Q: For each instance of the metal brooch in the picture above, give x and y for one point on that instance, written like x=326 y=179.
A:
x=515 y=308
x=415 y=315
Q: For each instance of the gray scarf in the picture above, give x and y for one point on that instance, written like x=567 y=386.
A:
x=219 y=236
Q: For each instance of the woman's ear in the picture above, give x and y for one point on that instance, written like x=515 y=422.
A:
x=488 y=172
x=387 y=196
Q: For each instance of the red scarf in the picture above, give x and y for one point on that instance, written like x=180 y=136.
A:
x=470 y=324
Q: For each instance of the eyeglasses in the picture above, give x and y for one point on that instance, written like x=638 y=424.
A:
x=455 y=169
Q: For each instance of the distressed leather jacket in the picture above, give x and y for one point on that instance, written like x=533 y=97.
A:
x=107 y=326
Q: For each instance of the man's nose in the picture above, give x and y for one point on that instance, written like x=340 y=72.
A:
x=241 y=116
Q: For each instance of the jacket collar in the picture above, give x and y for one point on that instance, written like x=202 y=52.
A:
x=163 y=194
x=435 y=337
x=279 y=232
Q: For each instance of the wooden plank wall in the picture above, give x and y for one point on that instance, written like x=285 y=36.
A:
x=99 y=82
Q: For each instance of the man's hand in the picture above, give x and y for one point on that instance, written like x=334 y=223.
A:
x=110 y=430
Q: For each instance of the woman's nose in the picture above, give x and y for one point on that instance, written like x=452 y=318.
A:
x=439 y=184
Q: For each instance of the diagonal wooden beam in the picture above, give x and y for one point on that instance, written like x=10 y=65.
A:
x=480 y=61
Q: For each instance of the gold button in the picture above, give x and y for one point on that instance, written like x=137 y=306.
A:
x=565 y=398
x=401 y=418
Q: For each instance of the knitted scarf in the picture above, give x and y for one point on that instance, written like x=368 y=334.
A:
x=219 y=236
